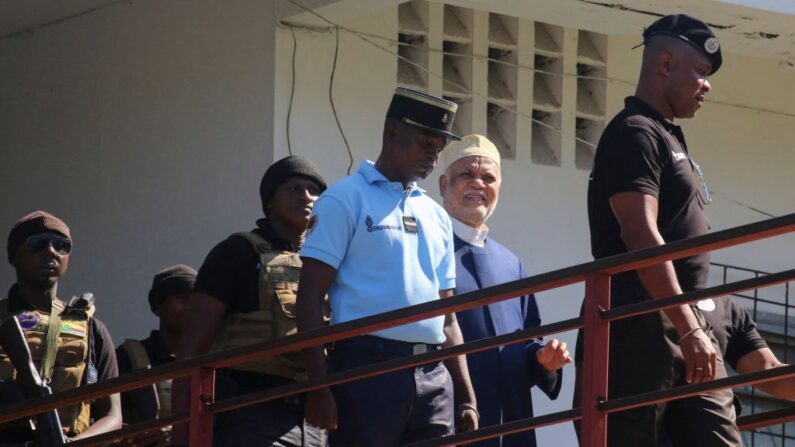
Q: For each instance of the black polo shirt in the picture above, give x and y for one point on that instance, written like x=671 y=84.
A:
x=642 y=151
x=734 y=329
x=230 y=273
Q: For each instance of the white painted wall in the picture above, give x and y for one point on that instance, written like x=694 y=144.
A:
x=542 y=212
x=147 y=127
x=363 y=84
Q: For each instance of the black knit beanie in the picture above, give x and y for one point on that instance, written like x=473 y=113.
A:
x=171 y=281
x=282 y=170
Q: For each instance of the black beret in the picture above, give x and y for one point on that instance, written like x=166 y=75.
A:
x=691 y=30
x=423 y=111
x=173 y=280
x=34 y=223
x=282 y=170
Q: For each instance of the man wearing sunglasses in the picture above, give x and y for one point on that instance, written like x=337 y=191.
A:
x=39 y=246
x=645 y=190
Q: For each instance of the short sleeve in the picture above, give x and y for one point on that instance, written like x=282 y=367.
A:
x=123 y=360
x=330 y=231
x=445 y=272
x=634 y=163
x=744 y=338
x=229 y=274
x=107 y=367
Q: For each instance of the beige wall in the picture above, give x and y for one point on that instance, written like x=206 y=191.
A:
x=746 y=153
x=363 y=82
x=148 y=125
x=542 y=212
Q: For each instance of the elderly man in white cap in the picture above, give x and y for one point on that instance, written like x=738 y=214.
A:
x=502 y=378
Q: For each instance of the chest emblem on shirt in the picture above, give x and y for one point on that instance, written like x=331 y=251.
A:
x=371 y=227
x=27 y=320
x=678 y=156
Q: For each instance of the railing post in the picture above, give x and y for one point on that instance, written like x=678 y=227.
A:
x=202 y=393
x=596 y=340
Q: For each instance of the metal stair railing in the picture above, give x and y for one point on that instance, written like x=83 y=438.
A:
x=596 y=320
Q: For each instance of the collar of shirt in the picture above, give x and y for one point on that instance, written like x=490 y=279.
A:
x=643 y=108
x=265 y=230
x=647 y=110
x=368 y=170
x=473 y=236
x=16 y=303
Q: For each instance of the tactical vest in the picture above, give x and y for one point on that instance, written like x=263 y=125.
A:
x=66 y=362
x=139 y=359
x=275 y=317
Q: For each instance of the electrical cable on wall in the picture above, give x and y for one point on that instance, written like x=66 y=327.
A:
x=292 y=93
x=563 y=74
x=363 y=37
x=430 y=72
x=331 y=97
x=738 y=203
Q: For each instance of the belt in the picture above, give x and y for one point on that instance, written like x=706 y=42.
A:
x=395 y=347
x=249 y=381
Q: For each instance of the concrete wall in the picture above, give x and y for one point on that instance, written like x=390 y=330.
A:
x=363 y=83
x=147 y=126
x=542 y=212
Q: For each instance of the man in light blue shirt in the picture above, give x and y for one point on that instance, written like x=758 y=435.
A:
x=376 y=243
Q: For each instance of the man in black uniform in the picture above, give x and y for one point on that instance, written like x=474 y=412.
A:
x=168 y=299
x=645 y=190
x=39 y=246
x=742 y=347
x=245 y=293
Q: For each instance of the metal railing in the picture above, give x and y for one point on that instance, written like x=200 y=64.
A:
x=596 y=322
x=778 y=337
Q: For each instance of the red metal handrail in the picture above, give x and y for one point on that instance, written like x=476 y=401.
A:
x=597 y=318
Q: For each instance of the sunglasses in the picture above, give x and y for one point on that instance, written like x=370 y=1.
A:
x=38 y=242
x=703 y=191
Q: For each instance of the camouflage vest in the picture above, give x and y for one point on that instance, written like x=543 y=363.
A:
x=275 y=317
x=66 y=364
x=139 y=359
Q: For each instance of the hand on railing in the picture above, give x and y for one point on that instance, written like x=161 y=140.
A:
x=700 y=356
x=554 y=355
x=321 y=409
